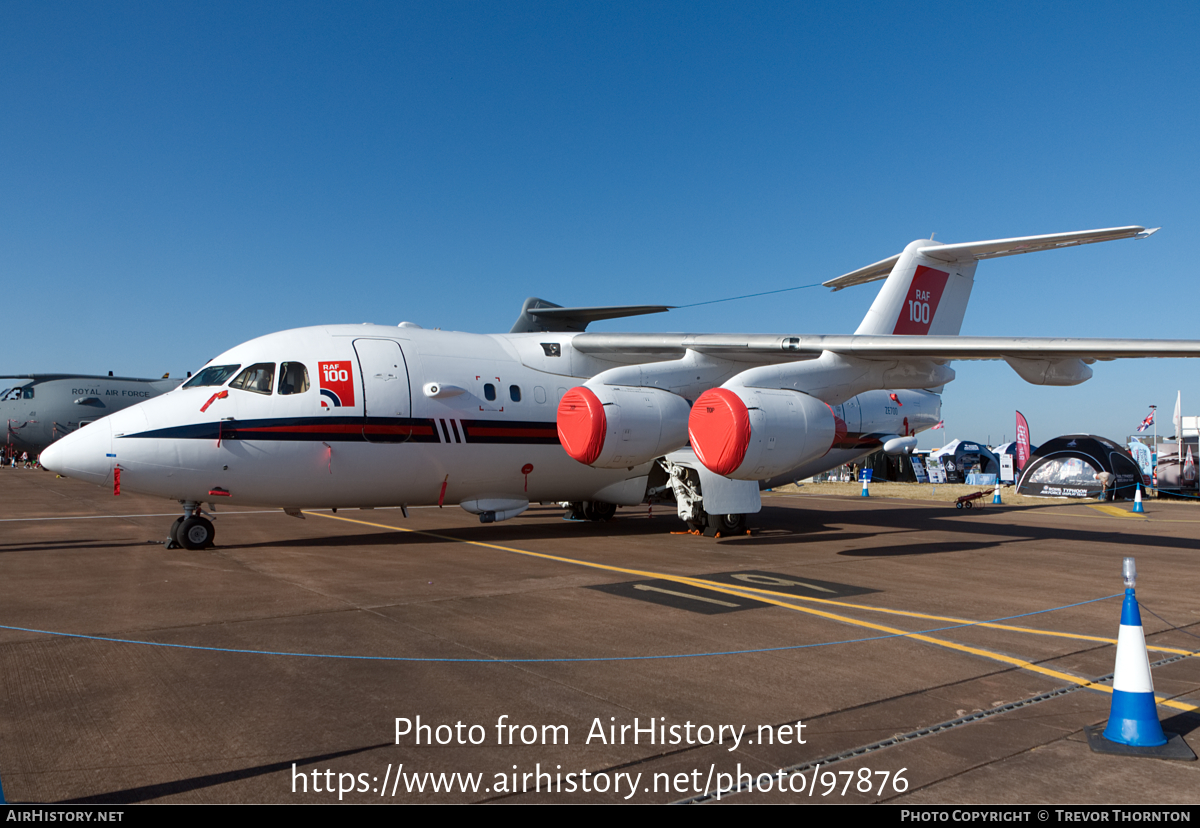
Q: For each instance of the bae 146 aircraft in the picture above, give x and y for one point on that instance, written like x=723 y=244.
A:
x=372 y=416
x=40 y=408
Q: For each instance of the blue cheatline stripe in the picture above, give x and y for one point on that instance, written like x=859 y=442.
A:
x=1133 y=720
x=1130 y=615
x=548 y=660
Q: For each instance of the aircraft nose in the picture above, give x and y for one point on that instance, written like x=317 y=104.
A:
x=85 y=454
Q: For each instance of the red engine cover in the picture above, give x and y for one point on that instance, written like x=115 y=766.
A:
x=581 y=424
x=719 y=427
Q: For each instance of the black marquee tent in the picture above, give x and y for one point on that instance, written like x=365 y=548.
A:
x=1067 y=467
x=960 y=457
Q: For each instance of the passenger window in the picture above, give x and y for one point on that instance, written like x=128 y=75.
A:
x=514 y=392
x=257 y=378
x=489 y=392
x=539 y=394
x=293 y=378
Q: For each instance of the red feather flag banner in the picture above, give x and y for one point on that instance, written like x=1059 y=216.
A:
x=1022 y=441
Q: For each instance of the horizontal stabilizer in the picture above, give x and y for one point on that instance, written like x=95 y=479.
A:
x=974 y=251
x=538 y=315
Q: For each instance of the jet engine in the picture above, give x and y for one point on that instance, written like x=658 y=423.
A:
x=617 y=426
x=756 y=433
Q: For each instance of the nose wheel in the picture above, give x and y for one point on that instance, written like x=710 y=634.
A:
x=192 y=531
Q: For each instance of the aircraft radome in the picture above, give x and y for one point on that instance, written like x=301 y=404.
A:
x=372 y=416
x=40 y=408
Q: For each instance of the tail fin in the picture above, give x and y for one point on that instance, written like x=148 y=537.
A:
x=928 y=284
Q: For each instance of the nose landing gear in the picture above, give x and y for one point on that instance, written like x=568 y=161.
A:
x=193 y=530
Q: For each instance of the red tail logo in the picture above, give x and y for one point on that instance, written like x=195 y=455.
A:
x=922 y=301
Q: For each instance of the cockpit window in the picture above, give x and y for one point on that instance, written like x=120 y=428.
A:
x=27 y=392
x=21 y=391
x=293 y=378
x=212 y=375
x=256 y=378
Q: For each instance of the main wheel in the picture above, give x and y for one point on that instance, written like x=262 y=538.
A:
x=173 y=535
x=597 y=510
x=196 y=533
x=728 y=524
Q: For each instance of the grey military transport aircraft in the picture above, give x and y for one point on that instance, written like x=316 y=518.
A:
x=40 y=408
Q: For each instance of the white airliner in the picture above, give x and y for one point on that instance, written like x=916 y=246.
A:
x=372 y=416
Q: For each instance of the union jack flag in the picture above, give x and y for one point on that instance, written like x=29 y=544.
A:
x=1146 y=423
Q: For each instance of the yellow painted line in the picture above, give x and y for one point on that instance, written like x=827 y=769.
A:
x=1143 y=516
x=944 y=618
x=1112 y=511
x=987 y=654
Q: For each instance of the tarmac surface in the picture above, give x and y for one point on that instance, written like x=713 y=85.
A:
x=538 y=648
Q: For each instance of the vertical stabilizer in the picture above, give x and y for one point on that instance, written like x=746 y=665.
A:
x=921 y=296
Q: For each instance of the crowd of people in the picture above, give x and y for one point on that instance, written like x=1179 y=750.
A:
x=19 y=459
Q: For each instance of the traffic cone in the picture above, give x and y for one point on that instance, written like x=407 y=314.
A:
x=1137 y=500
x=996 y=495
x=865 y=480
x=1133 y=728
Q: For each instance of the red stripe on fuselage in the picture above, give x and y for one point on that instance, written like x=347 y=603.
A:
x=492 y=431
x=338 y=428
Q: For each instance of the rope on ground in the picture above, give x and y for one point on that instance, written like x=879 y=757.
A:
x=546 y=660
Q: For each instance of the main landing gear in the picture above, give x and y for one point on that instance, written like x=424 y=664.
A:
x=689 y=502
x=193 y=530
x=590 y=510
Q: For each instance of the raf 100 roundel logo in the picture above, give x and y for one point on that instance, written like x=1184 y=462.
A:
x=337 y=384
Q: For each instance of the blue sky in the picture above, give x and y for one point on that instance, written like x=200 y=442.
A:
x=181 y=177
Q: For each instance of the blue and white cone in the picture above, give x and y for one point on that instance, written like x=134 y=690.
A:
x=1138 y=509
x=1133 y=718
x=865 y=493
x=996 y=495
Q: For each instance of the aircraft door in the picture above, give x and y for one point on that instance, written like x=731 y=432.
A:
x=385 y=378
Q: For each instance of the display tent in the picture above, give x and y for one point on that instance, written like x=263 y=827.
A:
x=961 y=457
x=1010 y=448
x=1067 y=467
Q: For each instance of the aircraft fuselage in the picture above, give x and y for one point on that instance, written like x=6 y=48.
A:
x=397 y=416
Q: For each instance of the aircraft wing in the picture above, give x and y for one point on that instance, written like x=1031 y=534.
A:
x=772 y=348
